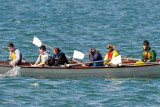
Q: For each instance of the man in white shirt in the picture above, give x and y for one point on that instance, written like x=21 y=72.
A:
x=44 y=58
x=15 y=57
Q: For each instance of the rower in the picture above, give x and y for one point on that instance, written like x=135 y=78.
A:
x=95 y=56
x=148 y=55
x=59 y=57
x=44 y=59
x=112 y=53
x=15 y=57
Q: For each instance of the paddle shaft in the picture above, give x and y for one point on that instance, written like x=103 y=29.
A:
x=4 y=50
x=139 y=63
x=66 y=55
x=53 y=49
x=88 y=62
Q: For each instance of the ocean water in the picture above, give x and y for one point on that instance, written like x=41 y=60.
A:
x=79 y=25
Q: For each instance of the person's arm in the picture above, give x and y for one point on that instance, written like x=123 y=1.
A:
x=40 y=64
x=153 y=56
x=53 y=59
x=45 y=59
x=91 y=58
x=37 y=62
x=115 y=54
x=142 y=58
x=106 y=58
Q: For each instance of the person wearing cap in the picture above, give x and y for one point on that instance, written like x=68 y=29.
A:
x=15 y=56
x=95 y=56
x=148 y=55
x=44 y=59
x=112 y=53
x=59 y=57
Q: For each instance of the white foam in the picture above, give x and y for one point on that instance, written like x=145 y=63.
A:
x=15 y=71
x=35 y=84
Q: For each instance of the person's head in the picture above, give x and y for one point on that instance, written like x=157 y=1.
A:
x=42 y=49
x=92 y=51
x=145 y=44
x=11 y=47
x=110 y=47
x=56 y=51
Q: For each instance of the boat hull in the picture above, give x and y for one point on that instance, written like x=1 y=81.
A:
x=57 y=72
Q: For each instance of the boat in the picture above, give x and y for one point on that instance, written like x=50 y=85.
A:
x=128 y=69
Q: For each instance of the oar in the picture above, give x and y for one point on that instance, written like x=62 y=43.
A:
x=115 y=61
x=69 y=65
x=148 y=63
x=4 y=51
x=38 y=43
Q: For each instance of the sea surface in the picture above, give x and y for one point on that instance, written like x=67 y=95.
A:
x=79 y=25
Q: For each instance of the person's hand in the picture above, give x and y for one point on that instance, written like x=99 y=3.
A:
x=33 y=65
x=144 y=60
x=107 y=65
x=10 y=58
x=148 y=60
x=13 y=63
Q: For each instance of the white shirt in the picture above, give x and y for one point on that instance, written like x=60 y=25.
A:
x=46 y=57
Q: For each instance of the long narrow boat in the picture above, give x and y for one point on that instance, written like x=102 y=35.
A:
x=126 y=69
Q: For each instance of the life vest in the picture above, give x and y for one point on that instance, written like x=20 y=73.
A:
x=49 y=62
x=60 y=59
x=110 y=54
x=57 y=56
x=13 y=57
x=146 y=55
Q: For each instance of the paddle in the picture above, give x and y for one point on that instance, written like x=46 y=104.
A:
x=78 y=54
x=38 y=43
x=116 y=60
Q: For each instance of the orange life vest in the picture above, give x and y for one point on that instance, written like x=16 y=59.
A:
x=110 y=54
x=146 y=55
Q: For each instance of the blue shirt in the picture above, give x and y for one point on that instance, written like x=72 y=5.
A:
x=97 y=57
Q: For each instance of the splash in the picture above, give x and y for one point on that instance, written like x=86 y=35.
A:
x=15 y=71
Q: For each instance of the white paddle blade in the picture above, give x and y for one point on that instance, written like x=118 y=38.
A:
x=116 y=60
x=37 y=42
x=78 y=55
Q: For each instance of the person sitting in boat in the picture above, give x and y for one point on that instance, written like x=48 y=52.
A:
x=15 y=57
x=59 y=57
x=148 y=55
x=95 y=56
x=112 y=53
x=44 y=59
